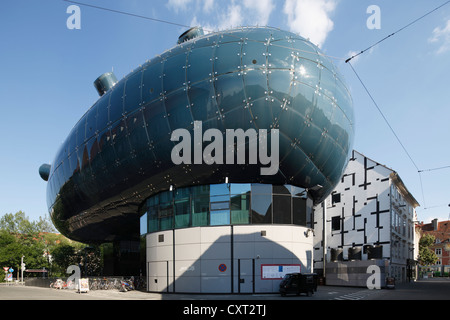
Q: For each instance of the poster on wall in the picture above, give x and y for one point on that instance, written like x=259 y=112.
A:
x=277 y=271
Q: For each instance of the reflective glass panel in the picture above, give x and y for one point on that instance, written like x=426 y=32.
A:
x=282 y=209
x=152 y=82
x=219 y=205
x=280 y=84
x=228 y=58
x=307 y=72
x=137 y=134
x=219 y=190
x=220 y=217
x=255 y=54
x=102 y=114
x=255 y=82
x=143 y=224
x=153 y=220
x=203 y=106
x=281 y=55
x=178 y=111
x=261 y=205
x=229 y=92
x=240 y=188
x=200 y=210
x=81 y=131
x=91 y=121
x=174 y=76
x=261 y=188
x=343 y=98
x=277 y=189
x=304 y=50
x=133 y=92
x=182 y=212
x=116 y=102
x=299 y=211
x=199 y=64
x=240 y=209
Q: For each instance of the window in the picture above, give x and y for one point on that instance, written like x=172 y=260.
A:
x=336 y=223
x=438 y=251
x=282 y=209
x=299 y=211
x=335 y=198
x=224 y=204
x=240 y=205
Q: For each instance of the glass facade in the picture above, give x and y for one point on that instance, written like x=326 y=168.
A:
x=225 y=204
x=245 y=78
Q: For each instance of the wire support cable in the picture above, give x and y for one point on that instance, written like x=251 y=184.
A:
x=399 y=30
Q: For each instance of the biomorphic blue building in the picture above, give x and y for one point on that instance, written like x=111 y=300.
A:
x=208 y=226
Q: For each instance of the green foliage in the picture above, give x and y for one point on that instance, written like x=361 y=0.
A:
x=42 y=248
x=426 y=255
x=19 y=223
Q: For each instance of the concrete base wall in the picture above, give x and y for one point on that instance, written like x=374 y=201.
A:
x=226 y=259
x=354 y=273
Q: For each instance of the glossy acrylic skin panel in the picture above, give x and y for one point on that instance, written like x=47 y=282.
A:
x=118 y=154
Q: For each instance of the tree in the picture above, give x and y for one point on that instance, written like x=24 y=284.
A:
x=426 y=255
x=42 y=247
x=21 y=237
x=62 y=257
x=19 y=223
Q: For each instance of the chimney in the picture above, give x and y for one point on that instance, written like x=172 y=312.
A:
x=434 y=223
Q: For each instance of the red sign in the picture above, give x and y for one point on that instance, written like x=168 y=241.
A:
x=222 y=267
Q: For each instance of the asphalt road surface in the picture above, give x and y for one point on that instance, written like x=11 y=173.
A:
x=329 y=301
x=426 y=289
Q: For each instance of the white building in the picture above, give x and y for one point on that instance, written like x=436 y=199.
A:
x=369 y=220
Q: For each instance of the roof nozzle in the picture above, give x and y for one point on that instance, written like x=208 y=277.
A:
x=44 y=171
x=105 y=82
x=192 y=33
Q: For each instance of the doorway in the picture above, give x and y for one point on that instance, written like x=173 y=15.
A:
x=246 y=275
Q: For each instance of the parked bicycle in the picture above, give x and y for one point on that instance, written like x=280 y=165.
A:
x=126 y=285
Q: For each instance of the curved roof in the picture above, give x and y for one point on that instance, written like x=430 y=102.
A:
x=119 y=153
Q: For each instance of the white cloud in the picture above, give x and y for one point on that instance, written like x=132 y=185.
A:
x=208 y=5
x=233 y=16
x=220 y=15
x=441 y=36
x=259 y=10
x=310 y=18
x=178 y=4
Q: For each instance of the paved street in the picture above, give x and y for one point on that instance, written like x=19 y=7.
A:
x=427 y=289
x=327 y=301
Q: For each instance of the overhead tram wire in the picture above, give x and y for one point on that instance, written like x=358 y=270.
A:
x=390 y=35
x=392 y=129
x=376 y=105
x=128 y=14
x=433 y=169
x=186 y=26
x=384 y=117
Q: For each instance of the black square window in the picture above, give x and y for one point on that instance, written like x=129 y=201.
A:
x=335 y=198
x=336 y=223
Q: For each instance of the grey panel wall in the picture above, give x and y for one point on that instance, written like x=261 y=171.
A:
x=224 y=259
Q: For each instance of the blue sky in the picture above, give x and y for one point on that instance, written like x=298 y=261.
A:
x=47 y=73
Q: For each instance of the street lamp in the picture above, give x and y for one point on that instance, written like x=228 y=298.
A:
x=22 y=267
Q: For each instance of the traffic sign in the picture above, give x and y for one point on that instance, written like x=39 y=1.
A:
x=223 y=267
